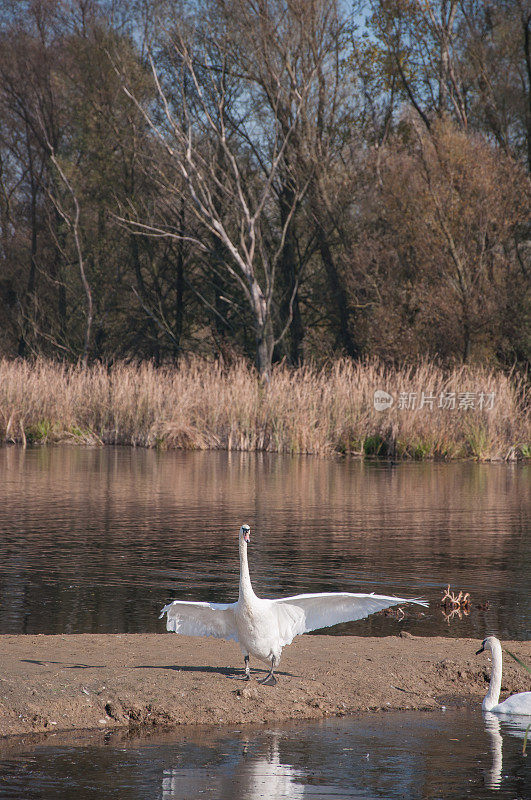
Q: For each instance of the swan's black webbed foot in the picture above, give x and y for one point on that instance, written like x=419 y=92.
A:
x=269 y=680
x=247 y=676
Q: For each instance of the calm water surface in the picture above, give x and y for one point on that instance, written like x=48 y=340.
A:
x=435 y=756
x=97 y=540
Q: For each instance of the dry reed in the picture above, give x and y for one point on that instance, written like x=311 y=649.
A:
x=321 y=411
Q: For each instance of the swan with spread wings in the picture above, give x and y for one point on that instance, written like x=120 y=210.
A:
x=263 y=627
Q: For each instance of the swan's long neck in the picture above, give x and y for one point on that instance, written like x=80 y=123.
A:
x=246 y=590
x=492 y=697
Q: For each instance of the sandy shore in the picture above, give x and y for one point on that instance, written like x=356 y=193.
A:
x=74 y=682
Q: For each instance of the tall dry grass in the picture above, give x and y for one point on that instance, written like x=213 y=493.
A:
x=320 y=411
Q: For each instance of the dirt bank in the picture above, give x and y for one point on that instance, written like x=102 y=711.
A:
x=104 y=681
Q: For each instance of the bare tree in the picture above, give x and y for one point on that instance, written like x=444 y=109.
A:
x=226 y=153
x=497 y=46
x=421 y=47
x=311 y=41
x=72 y=219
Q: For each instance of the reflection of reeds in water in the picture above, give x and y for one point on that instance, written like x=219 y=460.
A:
x=434 y=509
x=203 y=406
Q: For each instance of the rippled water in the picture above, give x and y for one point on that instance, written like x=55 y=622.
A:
x=97 y=540
x=436 y=756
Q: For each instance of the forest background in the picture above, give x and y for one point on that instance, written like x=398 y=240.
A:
x=278 y=180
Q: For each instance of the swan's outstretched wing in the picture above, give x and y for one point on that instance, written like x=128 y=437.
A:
x=323 y=610
x=201 y=619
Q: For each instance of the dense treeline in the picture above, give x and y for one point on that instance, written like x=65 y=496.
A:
x=279 y=179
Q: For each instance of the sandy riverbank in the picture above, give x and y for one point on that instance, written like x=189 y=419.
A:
x=50 y=683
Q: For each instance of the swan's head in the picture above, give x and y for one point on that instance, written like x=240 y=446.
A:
x=487 y=644
x=245 y=533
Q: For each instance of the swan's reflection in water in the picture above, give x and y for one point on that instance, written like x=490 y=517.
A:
x=261 y=775
x=498 y=726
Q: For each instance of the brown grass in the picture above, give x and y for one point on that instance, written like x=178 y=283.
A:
x=320 y=411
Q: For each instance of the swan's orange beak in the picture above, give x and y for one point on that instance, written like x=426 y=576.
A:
x=247 y=535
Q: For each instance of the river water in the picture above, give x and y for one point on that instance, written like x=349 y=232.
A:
x=97 y=540
x=449 y=755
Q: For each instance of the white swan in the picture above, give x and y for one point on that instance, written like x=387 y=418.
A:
x=263 y=627
x=517 y=703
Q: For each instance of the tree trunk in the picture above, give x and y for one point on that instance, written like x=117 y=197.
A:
x=289 y=303
x=466 y=339
x=219 y=286
x=22 y=344
x=56 y=273
x=264 y=331
x=153 y=330
x=179 y=287
x=526 y=23
x=264 y=351
x=338 y=292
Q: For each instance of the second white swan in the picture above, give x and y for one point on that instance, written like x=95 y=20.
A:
x=517 y=703
x=263 y=627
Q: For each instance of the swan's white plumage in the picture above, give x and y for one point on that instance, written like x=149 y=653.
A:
x=200 y=619
x=331 y=608
x=516 y=704
x=263 y=627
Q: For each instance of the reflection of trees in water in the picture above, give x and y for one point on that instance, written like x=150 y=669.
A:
x=97 y=539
